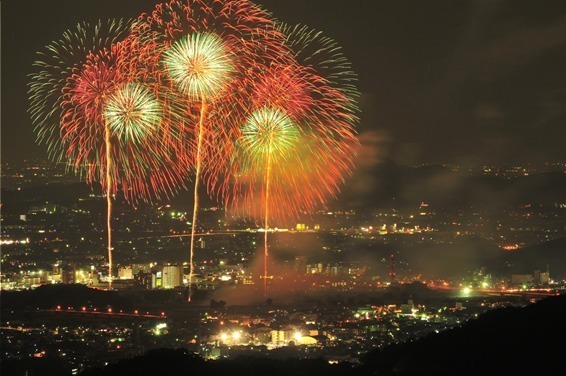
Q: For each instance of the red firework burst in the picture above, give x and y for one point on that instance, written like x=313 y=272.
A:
x=204 y=50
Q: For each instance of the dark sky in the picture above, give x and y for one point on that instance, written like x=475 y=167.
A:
x=442 y=81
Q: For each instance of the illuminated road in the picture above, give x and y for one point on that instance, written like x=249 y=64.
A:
x=234 y=232
x=507 y=292
x=107 y=314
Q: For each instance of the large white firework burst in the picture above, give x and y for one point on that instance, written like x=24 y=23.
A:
x=199 y=65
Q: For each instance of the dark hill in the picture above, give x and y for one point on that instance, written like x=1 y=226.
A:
x=396 y=185
x=51 y=296
x=549 y=255
x=506 y=341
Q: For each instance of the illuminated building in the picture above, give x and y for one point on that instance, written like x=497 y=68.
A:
x=143 y=280
x=125 y=273
x=520 y=279
x=541 y=278
x=278 y=337
x=172 y=276
x=156 y=279
x=68 y=274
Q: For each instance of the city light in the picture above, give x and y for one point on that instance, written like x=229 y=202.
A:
x=236 y=335
x=160 y=329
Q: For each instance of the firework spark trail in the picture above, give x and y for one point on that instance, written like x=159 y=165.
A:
x=108 y=203
x=199 y=67
x=131 y=113
x=196 y=196
x=266 y=220
x=56 y=66
x=268 y=137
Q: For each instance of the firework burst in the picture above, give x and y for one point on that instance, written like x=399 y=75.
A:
x=268 y=138
x=268 y=134
x=314 y=97
x=202 y=49
x=110 y=126
x=52 y=69
x=199 y=65
x=314 y=168
x=132 y=112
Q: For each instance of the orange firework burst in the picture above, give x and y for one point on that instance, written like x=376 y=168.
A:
x=314 y=166
x=203 y=50
x=112 y=127
x=120 y=129
x=299 y=141
x=111 y=114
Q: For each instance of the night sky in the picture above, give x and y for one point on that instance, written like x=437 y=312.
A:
x=442 y=81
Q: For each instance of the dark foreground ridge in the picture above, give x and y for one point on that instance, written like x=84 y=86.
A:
x=505 y=341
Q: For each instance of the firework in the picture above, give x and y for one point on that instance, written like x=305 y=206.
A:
x=54 y=66
x=202 y=49
x=110 y=125
x=199 y=65
x=268 y=138
x=132 y=112
x=269 y=134
x=314 y=168
x=57 y=65
x=304 y=162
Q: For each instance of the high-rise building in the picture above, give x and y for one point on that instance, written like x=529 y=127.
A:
x=541 y=278
x=172 y=276
x=68 y=273
x=143 y=280
x=125 y=272
x=156 y=279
